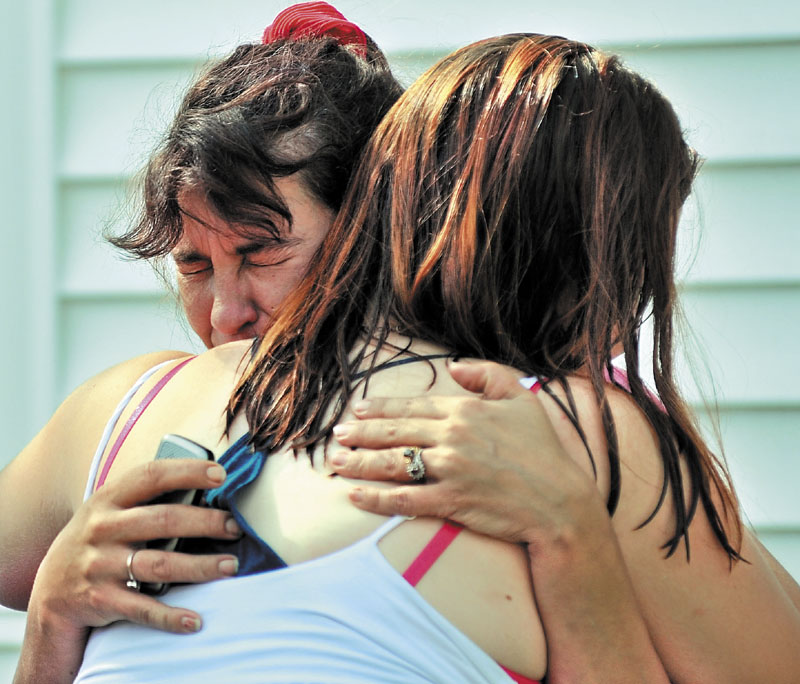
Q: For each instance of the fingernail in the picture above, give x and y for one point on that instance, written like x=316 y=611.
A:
x=216 y=473
x=356 y=495
x=191 y=624
x=362 y=406
x=232 y=527
x=341 y=431
x=229 y=566
x=339 y=459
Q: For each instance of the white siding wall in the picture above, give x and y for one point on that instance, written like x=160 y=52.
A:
x=94 y=82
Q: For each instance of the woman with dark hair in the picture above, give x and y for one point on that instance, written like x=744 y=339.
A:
x=239 y=194
x=518 y=204
x=293 y=111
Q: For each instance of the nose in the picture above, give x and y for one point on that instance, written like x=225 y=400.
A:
x=234 y=312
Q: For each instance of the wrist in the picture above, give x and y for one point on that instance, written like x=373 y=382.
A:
x=49 y=619
x=578 y=526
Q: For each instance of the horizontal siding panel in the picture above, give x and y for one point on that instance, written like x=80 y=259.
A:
x=762 y=449
x=90 y=29
x=88 y=263
x=93 y=29
x=96 y=334
x=704 y=84
x=12 y=626
x=748 y=338
x=110 y=119
x=719 y=94
x=8 y=662
x=742 y=225
x=785 y=546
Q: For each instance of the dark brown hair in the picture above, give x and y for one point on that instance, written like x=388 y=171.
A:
x=264 y=112
x=519 y=203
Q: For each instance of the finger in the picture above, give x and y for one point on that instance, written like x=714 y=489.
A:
x=147 y=611
x=408 y=500
x=382 y=464
x=164 y=521
x=486 y=378
x=380 y=433
x=147 y=481
x=428 y=406
x=149 y=565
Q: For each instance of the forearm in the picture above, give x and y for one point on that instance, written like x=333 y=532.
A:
x=28 y=524
x=51 y=652
x=594 y=628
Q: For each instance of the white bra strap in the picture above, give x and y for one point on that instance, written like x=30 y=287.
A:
x=111 y=424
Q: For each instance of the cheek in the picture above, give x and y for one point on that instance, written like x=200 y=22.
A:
x=197 y=303
x=272 y=290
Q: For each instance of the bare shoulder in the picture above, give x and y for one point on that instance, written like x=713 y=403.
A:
x=584 y=439
x=110 y=385
x=55 y=463
x=711 y=619
x=641 y=465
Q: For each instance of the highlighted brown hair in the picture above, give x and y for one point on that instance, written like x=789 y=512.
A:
x=519 y=203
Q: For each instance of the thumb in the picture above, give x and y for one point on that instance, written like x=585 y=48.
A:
x=489 y=379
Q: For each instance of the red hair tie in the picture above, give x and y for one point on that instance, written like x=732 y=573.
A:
x=313 y=20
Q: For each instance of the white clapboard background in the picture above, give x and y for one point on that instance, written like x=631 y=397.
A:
x=90 y=84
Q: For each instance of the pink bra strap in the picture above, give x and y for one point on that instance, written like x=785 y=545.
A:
x=621 y=378
x=430 y=554
x=135 y=417
x=517 y=677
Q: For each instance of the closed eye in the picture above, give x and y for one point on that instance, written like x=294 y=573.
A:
x=196 y=272
x=265 y=262
x=193 y=267
x=266 y=255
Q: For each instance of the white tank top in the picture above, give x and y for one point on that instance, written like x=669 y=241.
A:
x=348 y=617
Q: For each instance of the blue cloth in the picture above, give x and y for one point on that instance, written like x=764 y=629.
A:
x=243 y=465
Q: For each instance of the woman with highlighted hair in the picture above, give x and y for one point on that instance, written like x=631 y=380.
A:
x=518 y=204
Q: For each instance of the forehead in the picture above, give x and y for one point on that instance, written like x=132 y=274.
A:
x=202 y=226
x=199 y=219
x=308 y=217
x=285 y=204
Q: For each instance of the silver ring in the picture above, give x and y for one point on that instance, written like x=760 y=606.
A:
x=414 y=465
x=132 y=582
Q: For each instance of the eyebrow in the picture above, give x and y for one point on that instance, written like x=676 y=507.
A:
x=187 y=256
x=191 y=256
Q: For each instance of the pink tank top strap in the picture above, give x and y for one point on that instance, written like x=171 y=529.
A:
x=443 y=537
x=134 y=417
x=430 y=554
